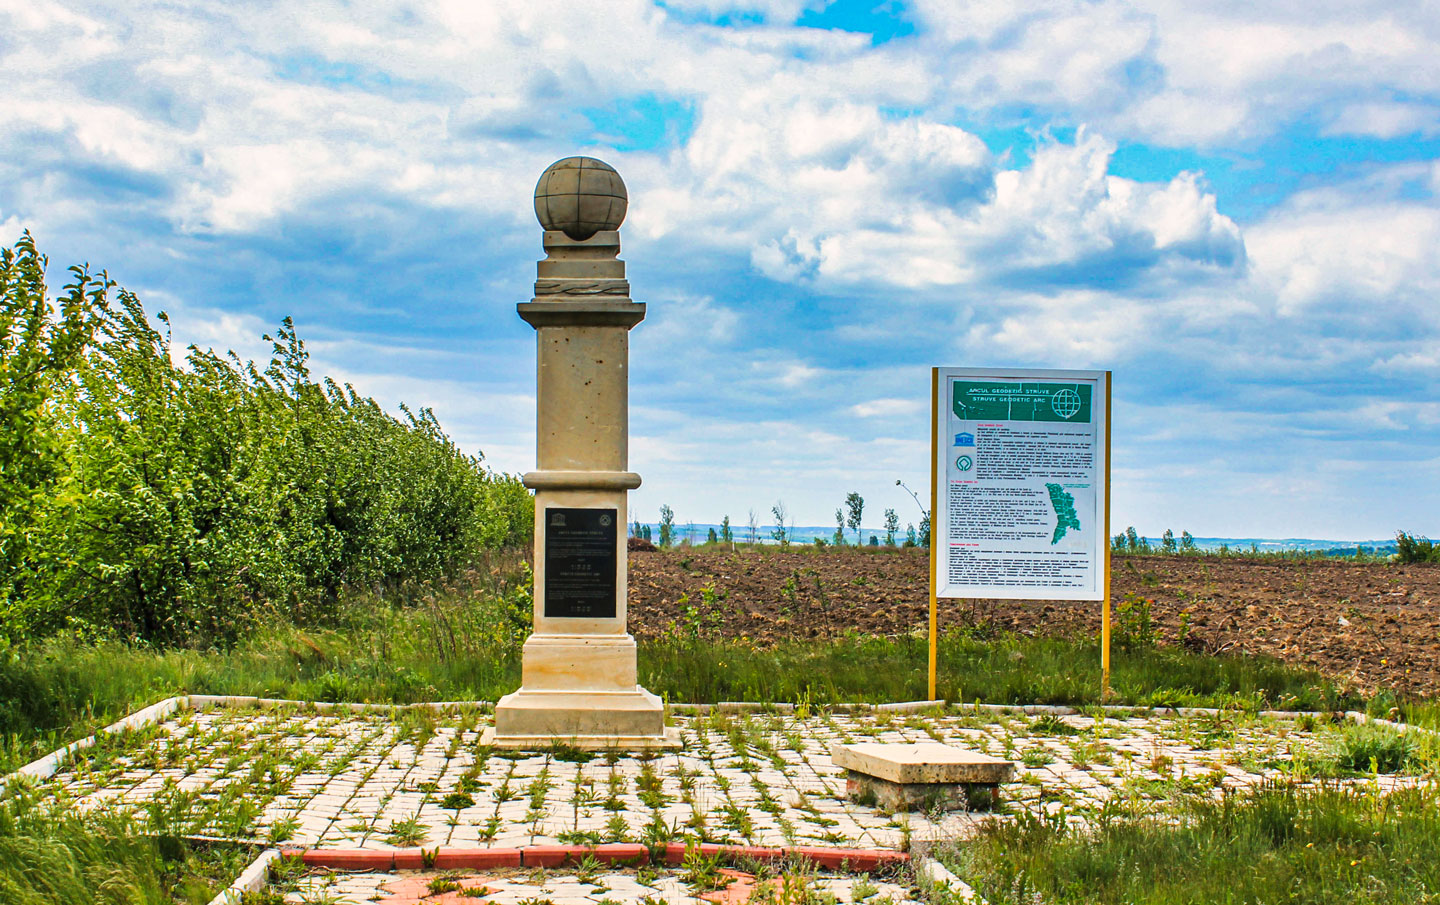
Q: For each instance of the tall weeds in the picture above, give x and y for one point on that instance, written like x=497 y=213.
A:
x=1284 y=843
x=51 y=856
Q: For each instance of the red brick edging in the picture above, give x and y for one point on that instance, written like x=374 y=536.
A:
x=853 y=859
x=615 y=854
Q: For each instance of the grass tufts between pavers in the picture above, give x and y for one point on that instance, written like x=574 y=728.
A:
x=1280 y=843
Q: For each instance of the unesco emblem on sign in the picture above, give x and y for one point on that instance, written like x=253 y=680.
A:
x=964 y=463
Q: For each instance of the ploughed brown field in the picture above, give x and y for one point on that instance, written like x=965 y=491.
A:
x=1376 y=624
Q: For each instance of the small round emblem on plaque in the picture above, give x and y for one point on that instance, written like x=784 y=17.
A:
x=604 y=521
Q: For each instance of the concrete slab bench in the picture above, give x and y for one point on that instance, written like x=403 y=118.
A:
x=920 y=776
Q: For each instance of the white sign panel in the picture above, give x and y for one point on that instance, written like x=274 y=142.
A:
x=1021 y=471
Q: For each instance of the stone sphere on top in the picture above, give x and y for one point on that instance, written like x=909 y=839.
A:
x=580 y=196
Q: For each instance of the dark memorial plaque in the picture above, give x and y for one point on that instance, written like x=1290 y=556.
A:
x=580 y=563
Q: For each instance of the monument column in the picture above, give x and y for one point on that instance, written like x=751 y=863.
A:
x=578 y=681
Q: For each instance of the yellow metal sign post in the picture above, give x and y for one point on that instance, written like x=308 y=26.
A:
x=1105 y=606
x=934 y=482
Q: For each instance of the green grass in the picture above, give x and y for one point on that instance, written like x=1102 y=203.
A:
x=1277 y=844
x=1004 y=670
x=52 y=857
x=1421 y=713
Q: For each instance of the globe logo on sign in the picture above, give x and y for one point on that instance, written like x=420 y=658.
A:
x=964 y=463
x=1066 y=403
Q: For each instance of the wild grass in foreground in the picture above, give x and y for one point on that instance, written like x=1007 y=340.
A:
x=1421 y=713
x=1285 y=843
x=49 y=856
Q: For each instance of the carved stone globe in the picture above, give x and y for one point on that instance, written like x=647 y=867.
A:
x=580 y=196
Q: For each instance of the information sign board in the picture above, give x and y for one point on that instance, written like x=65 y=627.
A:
x=1021 y=484
x=580 y=559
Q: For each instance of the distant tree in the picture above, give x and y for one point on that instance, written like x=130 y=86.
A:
x=635 y=529
x=925 y=531
x=910 y=539
x=839 y=528
x=713 y=538
x=646 y=529
x=726 y=534
x=667 y=525
x=754 y=525
x=874 y=541
x=1167 y=541
x=689 y=532
x=892 y=525
x=1132 y=539
x=855 y=504
x=1187 y=542
x=1415 y=548
x=782 y=537
x=1117 y=543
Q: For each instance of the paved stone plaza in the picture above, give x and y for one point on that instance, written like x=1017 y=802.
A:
x=421 y=779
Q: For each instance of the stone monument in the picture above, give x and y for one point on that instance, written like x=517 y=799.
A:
x=578 y=681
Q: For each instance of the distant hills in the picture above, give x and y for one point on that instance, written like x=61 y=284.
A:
x=1304 y=544
x=699 y=532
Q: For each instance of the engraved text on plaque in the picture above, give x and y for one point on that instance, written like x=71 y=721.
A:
x=580 y=564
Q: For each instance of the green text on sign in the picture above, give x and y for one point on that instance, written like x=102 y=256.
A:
x=993 y=401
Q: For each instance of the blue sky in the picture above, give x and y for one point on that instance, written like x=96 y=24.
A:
x=1232 y=205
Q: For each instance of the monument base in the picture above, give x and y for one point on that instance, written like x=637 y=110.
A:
x=539 y=718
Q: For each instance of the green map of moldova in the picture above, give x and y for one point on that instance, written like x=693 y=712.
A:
x=1065 y=516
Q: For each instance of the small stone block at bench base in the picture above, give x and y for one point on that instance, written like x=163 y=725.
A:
x=921 y=775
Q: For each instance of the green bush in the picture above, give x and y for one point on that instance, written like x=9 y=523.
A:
x=1367 y=747
x=1134 y=627
x=1411 y=548
x=177 y=503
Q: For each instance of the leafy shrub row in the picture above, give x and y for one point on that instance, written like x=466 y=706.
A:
x=149 y=500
